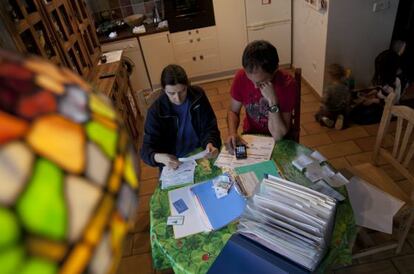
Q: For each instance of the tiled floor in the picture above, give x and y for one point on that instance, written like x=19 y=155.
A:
x=343 y=148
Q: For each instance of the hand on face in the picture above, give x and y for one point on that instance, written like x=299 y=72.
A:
x=268 y=92
x=212 y=151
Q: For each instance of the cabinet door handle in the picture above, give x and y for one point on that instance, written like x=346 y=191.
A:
x=191 y=40
x=189 y=33
x=168 y=38
x=194 y=58
x=201 y=57
x=196 y=30
x=198 y=39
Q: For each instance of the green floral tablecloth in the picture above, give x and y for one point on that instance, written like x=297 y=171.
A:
x=196 y=253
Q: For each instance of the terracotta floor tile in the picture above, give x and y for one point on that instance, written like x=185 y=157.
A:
x=215 y=84
x=392 y=172
x=348 y=134
x=383 y=267
x=359 y=158
x=142 y=222
x=224 y=90
x=141 y=243
x=148 y=186
x=339 y=163
x=315 y=140
x=127 y=248
x=404 y=264
x=339 y=149
x=221 y=114
x=148 y=172
x=222 y=123
x=141 y=264
x=143 y=203
x=309 y=107
x=315 y=127
x=366 y=143
x=211 y=91
x=219 y=98
x=217 y=106
x=307 y=117
x=309 y=98
x=371 y=129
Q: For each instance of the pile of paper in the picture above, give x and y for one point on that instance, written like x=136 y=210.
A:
x=321 y=174
x=290 y=219
x=259 y=149
x=184 y=174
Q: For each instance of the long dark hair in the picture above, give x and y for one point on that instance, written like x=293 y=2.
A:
x=387 y=64
x=173 y=75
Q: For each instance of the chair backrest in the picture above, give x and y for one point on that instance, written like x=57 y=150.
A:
x=403 y=148
x=145 y=98
x=295 y=120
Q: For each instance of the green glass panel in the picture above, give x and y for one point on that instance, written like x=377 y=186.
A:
x=42 y=207
x=11 y=259
x=103 y=136
x=9 y=228
x=38 y=266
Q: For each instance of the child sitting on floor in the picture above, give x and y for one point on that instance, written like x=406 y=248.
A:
x=336 y=99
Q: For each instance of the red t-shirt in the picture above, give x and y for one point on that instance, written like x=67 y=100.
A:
x=256 y=105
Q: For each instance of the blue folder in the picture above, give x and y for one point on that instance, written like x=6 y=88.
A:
x=241 y=255
x=220 y=212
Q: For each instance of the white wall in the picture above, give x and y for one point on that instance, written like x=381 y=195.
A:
x=309 y=42
x=356 y=35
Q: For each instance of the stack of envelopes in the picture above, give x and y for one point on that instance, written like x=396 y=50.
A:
x=290 y=219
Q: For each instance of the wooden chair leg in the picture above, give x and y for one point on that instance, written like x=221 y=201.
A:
x=404 y=232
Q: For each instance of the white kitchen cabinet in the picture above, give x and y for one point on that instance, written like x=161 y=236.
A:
x=131 y=53
x=158 y=53
x=230 y=16
x=197 y=50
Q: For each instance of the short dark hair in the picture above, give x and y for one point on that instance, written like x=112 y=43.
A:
x=173 y=75
x=336 y=71
x=260 y=54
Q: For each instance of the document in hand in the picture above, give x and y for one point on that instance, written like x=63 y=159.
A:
x=292 y=220
x=184 y=174
x=203 y=211
x=259 y=149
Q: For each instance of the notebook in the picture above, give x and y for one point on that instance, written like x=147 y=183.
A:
x=218 y=212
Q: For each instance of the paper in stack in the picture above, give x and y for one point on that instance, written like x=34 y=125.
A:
x=292 y=220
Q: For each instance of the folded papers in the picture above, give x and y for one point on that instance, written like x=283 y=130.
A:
x=292 y=220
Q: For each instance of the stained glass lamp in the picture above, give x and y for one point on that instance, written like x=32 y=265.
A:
x=68 y=185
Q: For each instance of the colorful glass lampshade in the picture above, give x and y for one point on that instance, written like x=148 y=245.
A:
x=68 y=186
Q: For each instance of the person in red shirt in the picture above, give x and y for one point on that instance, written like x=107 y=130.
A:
x=266 y=92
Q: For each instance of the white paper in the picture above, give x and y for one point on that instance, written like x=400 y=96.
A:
x=317 y=156
x=249 y=182
x=302 y=161
x=373 y=208
x=314 y=172
x=184 y=174
x=259 y=149
x=112 y=56
x=192 y=221
x=194 y=157
x=338 y=180
x=324 y=188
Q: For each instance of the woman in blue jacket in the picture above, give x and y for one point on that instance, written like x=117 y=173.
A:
x=178 y=122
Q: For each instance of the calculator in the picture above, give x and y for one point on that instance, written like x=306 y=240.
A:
x=241 y=152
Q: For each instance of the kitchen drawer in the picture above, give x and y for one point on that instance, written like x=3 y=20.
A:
x=184 y=43
x=200 y=63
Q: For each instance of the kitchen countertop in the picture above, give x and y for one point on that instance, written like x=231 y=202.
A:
x=127 y=33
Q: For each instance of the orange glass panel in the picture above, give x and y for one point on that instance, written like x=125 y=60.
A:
x=59 y=140
x=48 y=83
x=11 y=127
x=103 y=120
x=39 y=103
x=77 y=260
x=95 y=228
x=54 y=251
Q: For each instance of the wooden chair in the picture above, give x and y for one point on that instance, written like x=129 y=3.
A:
x=400 y=157
x=294 y=133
